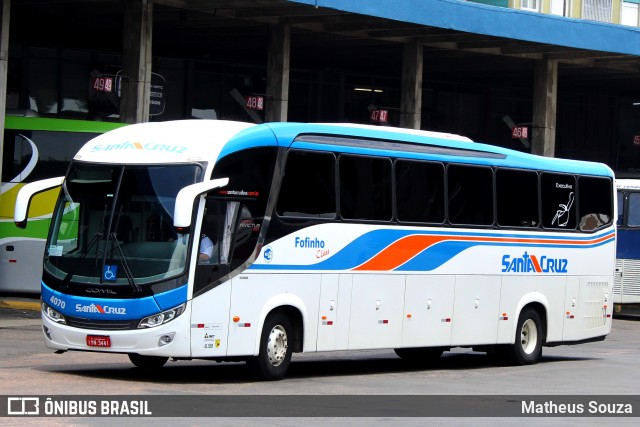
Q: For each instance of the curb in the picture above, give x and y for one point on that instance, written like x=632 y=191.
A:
x=20 y=305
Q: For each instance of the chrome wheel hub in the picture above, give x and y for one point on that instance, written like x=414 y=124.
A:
x=277 y=345
x=528 y=336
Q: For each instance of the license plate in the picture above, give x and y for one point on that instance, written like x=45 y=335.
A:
x=98 y=341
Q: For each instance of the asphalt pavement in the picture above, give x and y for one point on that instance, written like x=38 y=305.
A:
x=19 y=310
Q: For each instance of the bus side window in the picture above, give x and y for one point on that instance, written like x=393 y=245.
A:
x=621 y=203
x=365 y=188
x=419 y=191
x=633 y=219
x=308 y=188
x=517 y=196
x=208 y=249
x=470 y=194
x=14 y=160
x=558 y=196
x=594 y=203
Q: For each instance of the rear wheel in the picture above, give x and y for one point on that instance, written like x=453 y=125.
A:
x=527 y=348
x=274 y=354
x=147 y=362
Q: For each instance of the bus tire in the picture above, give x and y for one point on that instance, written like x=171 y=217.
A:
x=274 y=356
x=527 y=348
x=147 y=362
x=422 y=355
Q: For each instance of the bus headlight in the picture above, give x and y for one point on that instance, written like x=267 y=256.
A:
x=53 y=314
x=162 y=318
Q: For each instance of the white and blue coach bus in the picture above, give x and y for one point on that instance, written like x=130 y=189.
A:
x=223 y=241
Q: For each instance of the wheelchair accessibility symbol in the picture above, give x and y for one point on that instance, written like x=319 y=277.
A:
x=110 y=272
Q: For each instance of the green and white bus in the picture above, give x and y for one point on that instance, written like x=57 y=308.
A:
x=34 y=148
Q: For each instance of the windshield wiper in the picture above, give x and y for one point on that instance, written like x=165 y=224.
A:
x=95 y=239
x=125 y=264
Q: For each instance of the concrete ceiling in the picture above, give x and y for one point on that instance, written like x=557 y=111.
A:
x=236 y=30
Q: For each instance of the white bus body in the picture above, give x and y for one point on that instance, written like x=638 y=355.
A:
x=381 y=267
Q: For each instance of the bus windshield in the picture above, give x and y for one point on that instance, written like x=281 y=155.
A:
x=113 y=224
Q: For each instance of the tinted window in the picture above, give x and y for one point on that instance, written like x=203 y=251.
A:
x=517 y=197
x=365 y=188
x=470 y=194
x=250 y=173
x=419 y=191
x=620 y=208
x=594 y=203
x=558 y=196
x=54 y=153
x=308 y=187
x=633 y=215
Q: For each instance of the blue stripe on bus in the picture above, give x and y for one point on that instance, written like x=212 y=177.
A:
x=437 y=255
x=172 y=298
x=111 y=309
x=370 y=244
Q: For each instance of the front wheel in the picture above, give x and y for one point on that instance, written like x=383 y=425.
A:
x=147 y=362
x=274 y=355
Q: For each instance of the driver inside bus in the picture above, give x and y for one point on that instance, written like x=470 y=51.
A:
x=209 y=247
x=206 y=249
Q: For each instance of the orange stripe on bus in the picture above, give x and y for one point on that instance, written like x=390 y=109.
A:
x=406 y=248
x=400 y=252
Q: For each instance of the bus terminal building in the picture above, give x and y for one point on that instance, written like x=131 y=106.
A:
x=552 y=85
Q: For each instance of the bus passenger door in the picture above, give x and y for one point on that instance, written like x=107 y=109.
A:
x=334 y=312
x=428 y=311
x=376 y=311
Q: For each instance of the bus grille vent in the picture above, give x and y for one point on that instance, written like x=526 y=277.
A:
x=104 y=325
x=630 y=277
x=617 y=281
x=594 y=312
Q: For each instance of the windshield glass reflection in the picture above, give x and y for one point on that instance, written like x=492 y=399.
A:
x=114 y=224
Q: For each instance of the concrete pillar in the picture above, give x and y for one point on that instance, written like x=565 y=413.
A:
x=411 y=87
x=136 y=61
x=4 y=68
x=278 y=64
x=545 y=100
